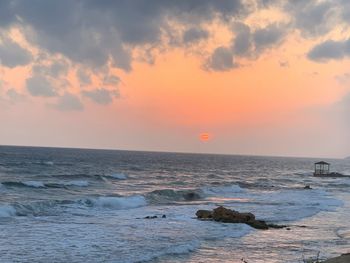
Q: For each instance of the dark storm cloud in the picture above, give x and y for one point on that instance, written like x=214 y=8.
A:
x=101 y=95
x=330 y=49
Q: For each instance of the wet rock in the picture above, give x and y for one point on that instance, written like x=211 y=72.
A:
x=231 y=216
x=150 y=217
x=307 y=187
x=222 y=214
x=204 y=214
x=163 y=216
x=258 y=224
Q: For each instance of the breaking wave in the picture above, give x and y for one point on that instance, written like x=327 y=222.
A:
x=115 y=202
x=169 y=195
x=39 y=184
x=54 y=207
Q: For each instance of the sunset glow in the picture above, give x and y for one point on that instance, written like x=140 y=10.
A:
x=204 y=137
x=260 y=75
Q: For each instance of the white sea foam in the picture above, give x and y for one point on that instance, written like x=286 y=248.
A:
x=119 y=176
x=118 y=202
x=36 y=184
x=7 y=211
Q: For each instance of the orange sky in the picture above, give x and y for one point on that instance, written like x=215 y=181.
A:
x=258 y=107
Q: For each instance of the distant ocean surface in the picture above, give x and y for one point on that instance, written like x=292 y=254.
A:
x=74 y=205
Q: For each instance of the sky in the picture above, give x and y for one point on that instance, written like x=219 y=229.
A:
x=260 y=77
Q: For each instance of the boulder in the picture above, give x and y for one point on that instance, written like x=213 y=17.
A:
x=231 y=216
x=204 y=214
x=222 y=214
x=258 y=224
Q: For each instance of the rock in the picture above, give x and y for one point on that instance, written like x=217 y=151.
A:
x=231 y=216
x=258 y=224
x=204 y=214
x=222 y=214
x=307 y=187
x=163 y=216
x=277 y=226
x=150 y=217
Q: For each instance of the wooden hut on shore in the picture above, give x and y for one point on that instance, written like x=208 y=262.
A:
x=321 y=169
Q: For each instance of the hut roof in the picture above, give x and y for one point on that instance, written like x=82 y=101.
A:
x=322 y=162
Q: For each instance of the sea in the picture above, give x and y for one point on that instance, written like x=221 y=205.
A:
x=82 y=205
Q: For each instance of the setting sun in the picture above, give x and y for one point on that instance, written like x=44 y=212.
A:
x=204 y=137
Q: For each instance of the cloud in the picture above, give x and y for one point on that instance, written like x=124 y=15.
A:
x=12 y=54
x=194 y=34
x=40 y=86
x=83 y=76
x=330 y=49
x=101 y=96
x=13 y=95
x=7 y=15
x=95 y=33
x=69 y=102
x=242 y=43
x=312 y=18
x=53 y=68
x=268 y=36
x=221 y=59
x=111 y=80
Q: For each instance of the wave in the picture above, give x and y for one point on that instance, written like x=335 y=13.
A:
x=7 y=211
x=33 y=184
x=54 y=207
x=223 y=190
x=168 y=195
x=119 y=176
x=113 y=202
x=177 y=249
x=39 y=184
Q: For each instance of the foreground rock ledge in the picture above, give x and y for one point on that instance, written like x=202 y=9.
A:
x=222 y=214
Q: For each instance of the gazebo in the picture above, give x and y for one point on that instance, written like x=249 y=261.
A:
x=321 y=168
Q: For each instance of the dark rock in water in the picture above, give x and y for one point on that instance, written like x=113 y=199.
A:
x=258 y=224
x=307 y=187
x=150 y=217
x=204 y=214
x=163 y=216
x=222 y=214
x=277 y=226
x=225 y=215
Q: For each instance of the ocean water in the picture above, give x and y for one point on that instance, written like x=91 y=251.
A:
x=74 y=205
